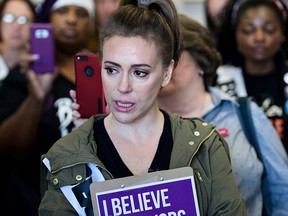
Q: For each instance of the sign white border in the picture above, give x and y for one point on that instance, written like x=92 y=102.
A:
x=151 y=184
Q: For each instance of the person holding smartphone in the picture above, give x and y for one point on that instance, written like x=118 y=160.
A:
x=190 y=94
x=16 y=18
x=140 y=48
x=35 y=108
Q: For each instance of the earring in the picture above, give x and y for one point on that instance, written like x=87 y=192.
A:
x=201 y=72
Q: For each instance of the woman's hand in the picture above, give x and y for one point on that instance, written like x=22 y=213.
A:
x=38 y=84
x=77 y=120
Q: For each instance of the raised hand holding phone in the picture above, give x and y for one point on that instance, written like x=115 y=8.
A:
x=39 y=84
x=89 y=88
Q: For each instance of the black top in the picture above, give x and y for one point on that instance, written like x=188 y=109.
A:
x=264 y=87
x=108 y=154
x=22 y=176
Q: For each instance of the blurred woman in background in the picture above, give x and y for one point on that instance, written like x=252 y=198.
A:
x=257 y=64
x=35 y=108
x=16 y=18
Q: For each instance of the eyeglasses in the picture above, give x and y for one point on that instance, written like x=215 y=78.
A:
x=10 y=18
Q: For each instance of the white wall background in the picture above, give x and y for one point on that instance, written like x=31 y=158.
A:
x=192 y=8
x=38 y=1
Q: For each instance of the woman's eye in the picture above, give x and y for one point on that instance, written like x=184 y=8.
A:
x=62 y=10
x=140 y=73
x=82 y=13
x=247 y=31
x=270 y=30
x=111 y=70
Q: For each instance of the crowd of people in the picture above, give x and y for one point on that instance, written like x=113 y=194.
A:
x=171 y=86
x=35 y=108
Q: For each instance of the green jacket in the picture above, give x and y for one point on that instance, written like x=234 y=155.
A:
x=196 y=144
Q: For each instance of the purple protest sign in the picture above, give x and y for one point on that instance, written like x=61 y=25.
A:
x=175 y=197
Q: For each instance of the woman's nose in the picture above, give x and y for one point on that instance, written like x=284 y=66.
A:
x=71 y=17
x=259 y=35
x=124 y=84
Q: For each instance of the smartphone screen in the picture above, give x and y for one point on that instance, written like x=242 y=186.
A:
x=89 y=84
x=42 y=45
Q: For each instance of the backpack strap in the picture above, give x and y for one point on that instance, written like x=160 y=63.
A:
x=246 y=120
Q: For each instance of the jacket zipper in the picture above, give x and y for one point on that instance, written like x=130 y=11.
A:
x=198 y=147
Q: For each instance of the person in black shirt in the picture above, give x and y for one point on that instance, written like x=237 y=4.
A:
x=35 y=108
x=259 y=62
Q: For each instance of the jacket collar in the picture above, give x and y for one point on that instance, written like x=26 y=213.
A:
x=79 y=147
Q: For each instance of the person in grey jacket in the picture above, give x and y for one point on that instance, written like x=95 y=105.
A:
x=140 y=47
x=192 y=95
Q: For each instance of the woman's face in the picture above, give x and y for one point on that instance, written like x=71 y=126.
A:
x=132 y=75
x=259 y=34
x=15 y=31
x=184 y=75
x=70 y=25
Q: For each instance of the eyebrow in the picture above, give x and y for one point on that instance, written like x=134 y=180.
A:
x=134 y=65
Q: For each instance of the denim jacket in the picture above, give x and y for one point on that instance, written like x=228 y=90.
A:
x=246 y=167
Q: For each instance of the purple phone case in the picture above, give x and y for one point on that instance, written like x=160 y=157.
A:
x=42 y=44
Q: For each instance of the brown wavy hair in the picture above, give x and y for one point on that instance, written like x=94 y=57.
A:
x=152 y=20
x=199 y=42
